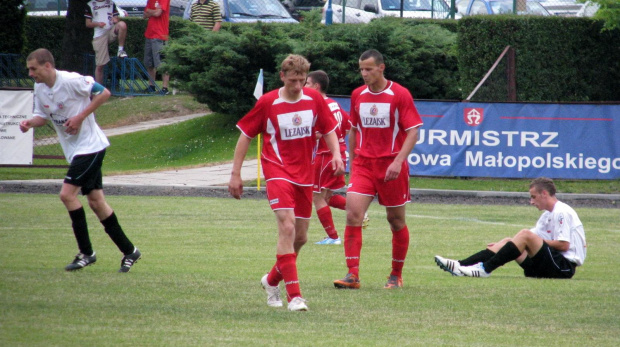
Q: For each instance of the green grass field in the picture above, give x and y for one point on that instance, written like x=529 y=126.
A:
x=198 y=281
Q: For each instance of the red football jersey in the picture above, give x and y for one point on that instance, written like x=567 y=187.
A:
x=288 y=130
x=381 y=119
x=342 y=117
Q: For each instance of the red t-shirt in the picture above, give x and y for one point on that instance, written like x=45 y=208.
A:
x=342 y=117
x=157 y=27
x=288 y=130
x=381 y=119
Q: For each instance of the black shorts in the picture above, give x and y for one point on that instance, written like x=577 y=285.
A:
x=85 y=172
x=548 y=263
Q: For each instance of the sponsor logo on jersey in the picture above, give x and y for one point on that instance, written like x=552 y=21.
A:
x=46 y=106
x=375 y=115
x=60 y=105
x=274 y=201
x=473 y=116
x=295 y=125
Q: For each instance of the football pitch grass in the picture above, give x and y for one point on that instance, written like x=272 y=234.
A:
x=198 y=282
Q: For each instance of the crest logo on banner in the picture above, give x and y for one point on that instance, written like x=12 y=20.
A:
x=473 y=116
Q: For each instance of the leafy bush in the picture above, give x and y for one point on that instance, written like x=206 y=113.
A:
x=221 y=68
x=558 y=59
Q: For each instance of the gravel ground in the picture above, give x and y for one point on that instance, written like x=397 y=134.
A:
x=442 y=197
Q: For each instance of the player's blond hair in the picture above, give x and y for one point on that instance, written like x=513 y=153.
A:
x=42 y=56
x=295 y=63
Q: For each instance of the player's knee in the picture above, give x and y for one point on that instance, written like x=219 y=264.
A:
x=354 y=217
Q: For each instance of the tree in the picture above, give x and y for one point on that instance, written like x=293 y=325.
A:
x=609 y=12
x=12 y=13
x=77 y=39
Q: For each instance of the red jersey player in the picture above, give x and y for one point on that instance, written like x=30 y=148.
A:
x=325 y=182
x=384 y=131
x=288 y=118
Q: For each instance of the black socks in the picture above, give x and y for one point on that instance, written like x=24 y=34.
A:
x=116 y=233
x=506 y=254
x=80 y=230
x=479 y=257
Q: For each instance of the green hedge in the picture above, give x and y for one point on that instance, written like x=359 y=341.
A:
x=557 y=58
x=11 y=35
x=221 y=68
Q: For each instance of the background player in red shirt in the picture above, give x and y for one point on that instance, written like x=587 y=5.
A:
x=325 y=182
x=384 y=131
x=288 y=118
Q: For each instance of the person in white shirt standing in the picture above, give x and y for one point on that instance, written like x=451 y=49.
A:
x=103 y=16
x=64 y=98
x=552 y=249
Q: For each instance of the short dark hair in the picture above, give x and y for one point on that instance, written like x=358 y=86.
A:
x=42 y=56
x=320 y=77
x=544 y=183
x=373 y=53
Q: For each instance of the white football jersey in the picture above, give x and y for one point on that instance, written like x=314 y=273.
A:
x=102 y=11
x=563 y=224
x=67 y=98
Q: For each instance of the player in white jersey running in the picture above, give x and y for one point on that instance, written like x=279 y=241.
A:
x=552 y=249
x=64 y=98
x=103 y=16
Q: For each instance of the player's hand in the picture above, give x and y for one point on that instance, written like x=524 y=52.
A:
x=235 y=186
x=25 y=125
x=392 y=171
x=101 y=24
x=73 y=125
x=338 y=166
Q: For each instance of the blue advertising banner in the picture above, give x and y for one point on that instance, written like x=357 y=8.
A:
x=516 y=140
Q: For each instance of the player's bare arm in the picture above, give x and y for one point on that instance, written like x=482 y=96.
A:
x=561 y=246
x=73 y=124
x=91 y=24
x=34 y=122
x=393 y=170
x=352 y=143
x=332 y=142
x=235 y=185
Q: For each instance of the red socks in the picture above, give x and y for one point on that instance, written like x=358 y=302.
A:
x=287 y=266
x=338 y=201
x=400 y=245
x=325 y=217
x=353 y=248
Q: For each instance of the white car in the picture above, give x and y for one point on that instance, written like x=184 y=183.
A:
x=363 y=11
x=56 y=8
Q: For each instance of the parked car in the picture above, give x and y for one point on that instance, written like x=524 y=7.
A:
x=135 y=8
x=570 y=8
x=55 y=8
x=295 y=7
x=240 y=11
x=363 y=11
x=477 y=7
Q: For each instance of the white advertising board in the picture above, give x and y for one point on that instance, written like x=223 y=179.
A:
x=15 y=147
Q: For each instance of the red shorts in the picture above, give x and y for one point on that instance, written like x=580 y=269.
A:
x=285 y=195
x=324 y=177
x=368 y=178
